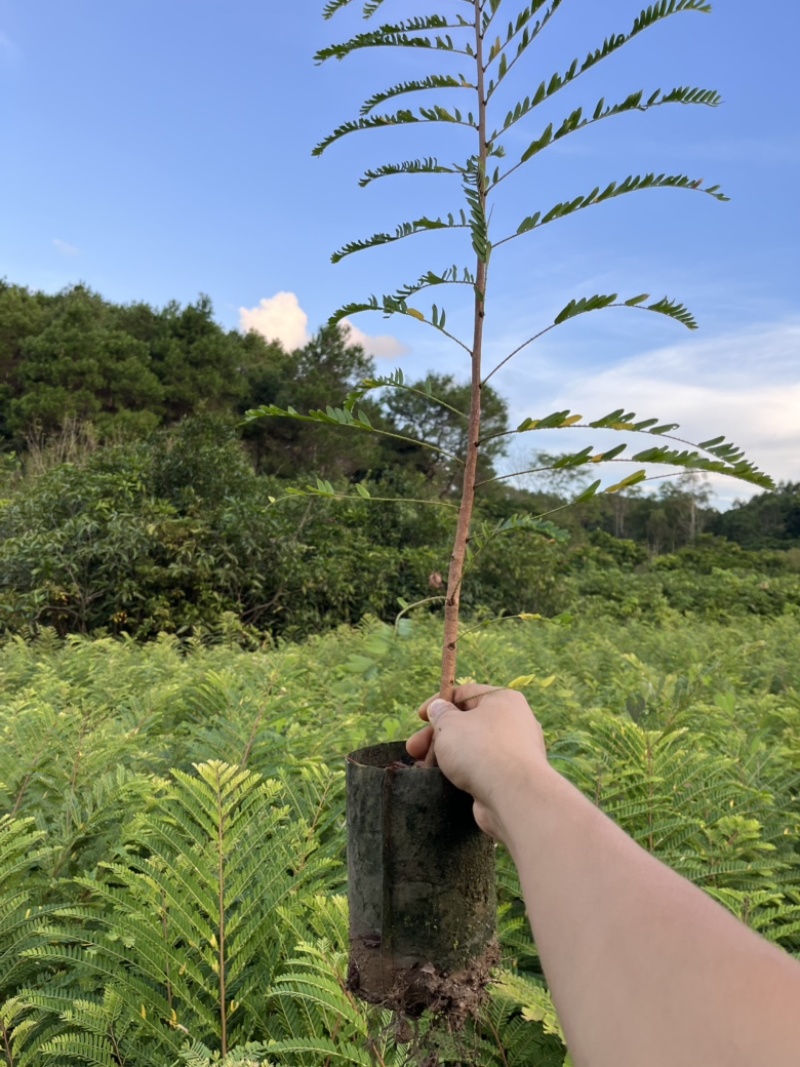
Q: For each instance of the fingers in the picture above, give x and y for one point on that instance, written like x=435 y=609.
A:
x=419 y=743
x=465 y=697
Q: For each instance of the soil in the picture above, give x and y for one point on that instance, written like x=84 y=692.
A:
x=453 y=998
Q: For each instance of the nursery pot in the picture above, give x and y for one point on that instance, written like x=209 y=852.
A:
x=421 y=886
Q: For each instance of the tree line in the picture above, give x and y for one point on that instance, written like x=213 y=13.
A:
x=133 y=497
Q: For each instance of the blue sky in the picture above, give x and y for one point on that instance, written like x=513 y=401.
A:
x=161 y=148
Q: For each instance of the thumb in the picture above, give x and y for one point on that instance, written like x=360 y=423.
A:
x=437 y=708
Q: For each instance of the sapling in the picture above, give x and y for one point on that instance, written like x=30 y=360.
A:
x=480 y=45
x=489 y=39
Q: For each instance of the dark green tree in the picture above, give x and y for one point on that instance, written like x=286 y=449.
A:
x=196 y=361
x=768 y=520
x=80 y=367
x=443 y=422
x=306 y=378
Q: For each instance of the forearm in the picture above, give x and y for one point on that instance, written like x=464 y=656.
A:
x=644 y=968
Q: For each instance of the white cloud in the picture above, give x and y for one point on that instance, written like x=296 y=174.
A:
x=277 y=318
x=64 y=248
x=744 y=385
x=280 y=318
x=381 y=347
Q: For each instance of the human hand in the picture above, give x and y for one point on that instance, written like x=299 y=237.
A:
x=488 y=743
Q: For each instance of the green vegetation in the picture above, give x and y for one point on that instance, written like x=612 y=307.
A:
x=171 y=864
x=167 y=535
x=165 y=522
x=171 y=853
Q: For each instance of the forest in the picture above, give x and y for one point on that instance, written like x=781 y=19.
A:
x=135 y=498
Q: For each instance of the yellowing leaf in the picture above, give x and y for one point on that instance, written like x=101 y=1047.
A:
x=522 y=681
x=531 y=679
x=528 y=616
x=143 y=1011
x=533 y=1013
x=415 y=314
x=572 y=420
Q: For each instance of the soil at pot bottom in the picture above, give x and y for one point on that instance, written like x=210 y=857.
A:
x=454 y=998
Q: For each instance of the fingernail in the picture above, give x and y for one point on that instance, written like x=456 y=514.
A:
x=436 y=707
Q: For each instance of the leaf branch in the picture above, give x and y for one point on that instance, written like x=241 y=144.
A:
x=342 y=417
x=405 y=229
x=727 y=458
x=404 y=117
x=665 y=306
x=431 y=81
x=631 y=184
x=430 y=165
x=635 y=102
x=521 y=26
x=389 y=306
x=398 y=35
x=648 y=17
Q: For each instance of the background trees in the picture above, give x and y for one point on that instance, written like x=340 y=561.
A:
x=133 y=500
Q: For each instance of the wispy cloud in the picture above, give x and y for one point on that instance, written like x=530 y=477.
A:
x=9 y=51
x=281 y=318
x=744 y=385
x=64 y=248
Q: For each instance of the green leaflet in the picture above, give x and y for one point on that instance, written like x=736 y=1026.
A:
x=721 y=457
x=631 y=184
x=671 y=308
x=432 y=81
x=577 y=120
x=418 y=32
x=404 y=229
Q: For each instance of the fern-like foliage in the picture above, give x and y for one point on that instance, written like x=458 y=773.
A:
x=251 y=1054
x=403 y=230
x=315 y=1016
x=182 y=933
x=631 y=184
x=716 y=455
x=422 y=31
x=22 y=855
x=430 y=165
x=637 y=101
x=696 y=810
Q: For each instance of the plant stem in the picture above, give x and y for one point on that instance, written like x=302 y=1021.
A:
x=223 y=1007
x=459 y=553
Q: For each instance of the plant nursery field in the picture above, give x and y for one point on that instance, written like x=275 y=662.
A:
x=172 y=849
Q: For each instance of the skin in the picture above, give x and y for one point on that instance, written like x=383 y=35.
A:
x=645 y=969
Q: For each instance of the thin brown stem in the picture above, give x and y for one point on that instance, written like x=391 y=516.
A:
x=223 y=1008
x=458 y=556
x=7 y=1046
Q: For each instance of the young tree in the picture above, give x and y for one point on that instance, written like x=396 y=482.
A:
x=490 y=40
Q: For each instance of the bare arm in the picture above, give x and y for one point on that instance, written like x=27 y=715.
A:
x=645 y=969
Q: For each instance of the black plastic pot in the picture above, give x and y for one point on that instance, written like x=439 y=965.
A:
x=421 y=885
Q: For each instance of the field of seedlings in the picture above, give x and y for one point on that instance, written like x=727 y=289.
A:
x=172 y=857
